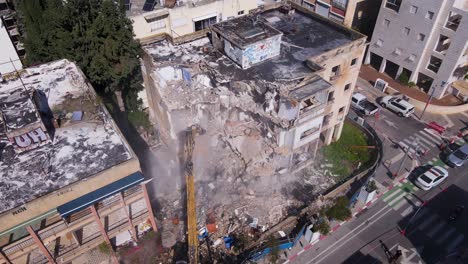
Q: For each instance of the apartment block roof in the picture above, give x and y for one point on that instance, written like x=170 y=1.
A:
x=84 y=141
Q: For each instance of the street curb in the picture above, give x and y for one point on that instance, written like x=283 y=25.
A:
x=396 y=182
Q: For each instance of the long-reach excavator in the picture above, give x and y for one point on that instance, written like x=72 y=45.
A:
x=191 y=203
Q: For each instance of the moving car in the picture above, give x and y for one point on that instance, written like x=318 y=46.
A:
x=458 y=157
x=360 y=103
x=431 y=178
x=398 y=105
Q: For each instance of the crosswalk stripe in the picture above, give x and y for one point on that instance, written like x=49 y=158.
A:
x=386 y=199
x=445 y=235
x=428 y=221
x=433 y=134
x=403 y=145
x=402 y=202
x=436 y=229
x=408 y=142
x=455 y=243
x=407 y=211
x=422 y=145
x=422 y=139
x=394 y=201
x=430 y=137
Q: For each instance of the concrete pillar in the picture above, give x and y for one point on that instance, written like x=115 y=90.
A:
x=337 y=132
x=414 y=77
x=368 y=56
x=383 y=65
x=150 y=209
x=39 y=243
x=4 y=257
x=329 y=135
x=129 y=219
x=399 y=71
x=97 y=219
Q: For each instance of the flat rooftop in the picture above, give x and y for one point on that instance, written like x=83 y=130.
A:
x=304 y=36
x=87 y=141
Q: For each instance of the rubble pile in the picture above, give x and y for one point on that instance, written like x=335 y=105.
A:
x=245 y=182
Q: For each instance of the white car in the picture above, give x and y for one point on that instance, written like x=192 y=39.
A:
x=398 y=105
x=431 y=178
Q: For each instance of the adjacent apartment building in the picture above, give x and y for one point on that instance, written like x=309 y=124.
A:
x=175 y=19
x=11 y=47
x=425 y=39
x=358 y=14
x=69 y=181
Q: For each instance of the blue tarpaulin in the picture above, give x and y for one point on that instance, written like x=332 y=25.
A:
x=186 y=75
x=88 y=199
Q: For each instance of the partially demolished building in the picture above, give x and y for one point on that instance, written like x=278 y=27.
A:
x=69 y=181
x=268 y=89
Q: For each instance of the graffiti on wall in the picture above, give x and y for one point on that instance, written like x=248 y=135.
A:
x=30 y=139
x=261 y=51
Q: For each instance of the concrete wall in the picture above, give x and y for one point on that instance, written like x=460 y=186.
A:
x=260 y=51
x=180 y=20
x=8 y=52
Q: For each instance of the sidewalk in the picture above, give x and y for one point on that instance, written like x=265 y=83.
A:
x=370 y=74
x=384 y=182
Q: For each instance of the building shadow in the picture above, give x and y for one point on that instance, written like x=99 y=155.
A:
x=359 y=258
x=430 y=229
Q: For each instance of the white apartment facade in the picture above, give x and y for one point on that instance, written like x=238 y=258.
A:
x=154 y=20
x=426 y=39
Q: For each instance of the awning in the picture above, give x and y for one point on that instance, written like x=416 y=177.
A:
x=88 y=199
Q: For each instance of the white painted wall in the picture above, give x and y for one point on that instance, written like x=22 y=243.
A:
x=7 y=52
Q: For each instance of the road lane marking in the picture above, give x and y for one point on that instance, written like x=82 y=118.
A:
x=455 y=243
x=402 y=203
x=407 y=211
x=396 y=199
x=445 y=235
x=425 y=141
x=386 y=199
x=428 y=221
x=449 y=121
x=433 y=135
x=436 y=229
x=431 y=138
x=347 y=240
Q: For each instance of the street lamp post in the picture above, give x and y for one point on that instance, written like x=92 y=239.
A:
x=442 y=84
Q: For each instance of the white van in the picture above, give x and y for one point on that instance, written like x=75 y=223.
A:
x=398 y=105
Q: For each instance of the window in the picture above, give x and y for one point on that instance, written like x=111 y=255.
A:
x=341 y=110
x=240 y=12
x=443 y=44
x=429 y=15
x=308 y=5
x=347 y=86
x=406 y=31
x=156 y=23
x=353 y=61
x=421 y=37
x=453 y=21
x=309 y=132
x=397 y=105
x=413 y=9
x=205 y=23
x=354 y=100
x=331 y=96
x=341 y=4
x=393 y=4
x=335 y=71
x=434 y=64
x=379 y=43
x=386 y=22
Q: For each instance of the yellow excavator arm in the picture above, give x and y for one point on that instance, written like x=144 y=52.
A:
x=191 y=203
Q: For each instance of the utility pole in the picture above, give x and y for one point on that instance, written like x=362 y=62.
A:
x=442 y=84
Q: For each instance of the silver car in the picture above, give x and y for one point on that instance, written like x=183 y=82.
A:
x=458 y=157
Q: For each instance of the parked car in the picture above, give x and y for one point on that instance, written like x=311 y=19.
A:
x=360 y=103
x=431 y=178
x=398 y=105
x=458 y=157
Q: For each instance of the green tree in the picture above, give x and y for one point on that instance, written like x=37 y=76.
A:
x=340 y=209
x=94 y=33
